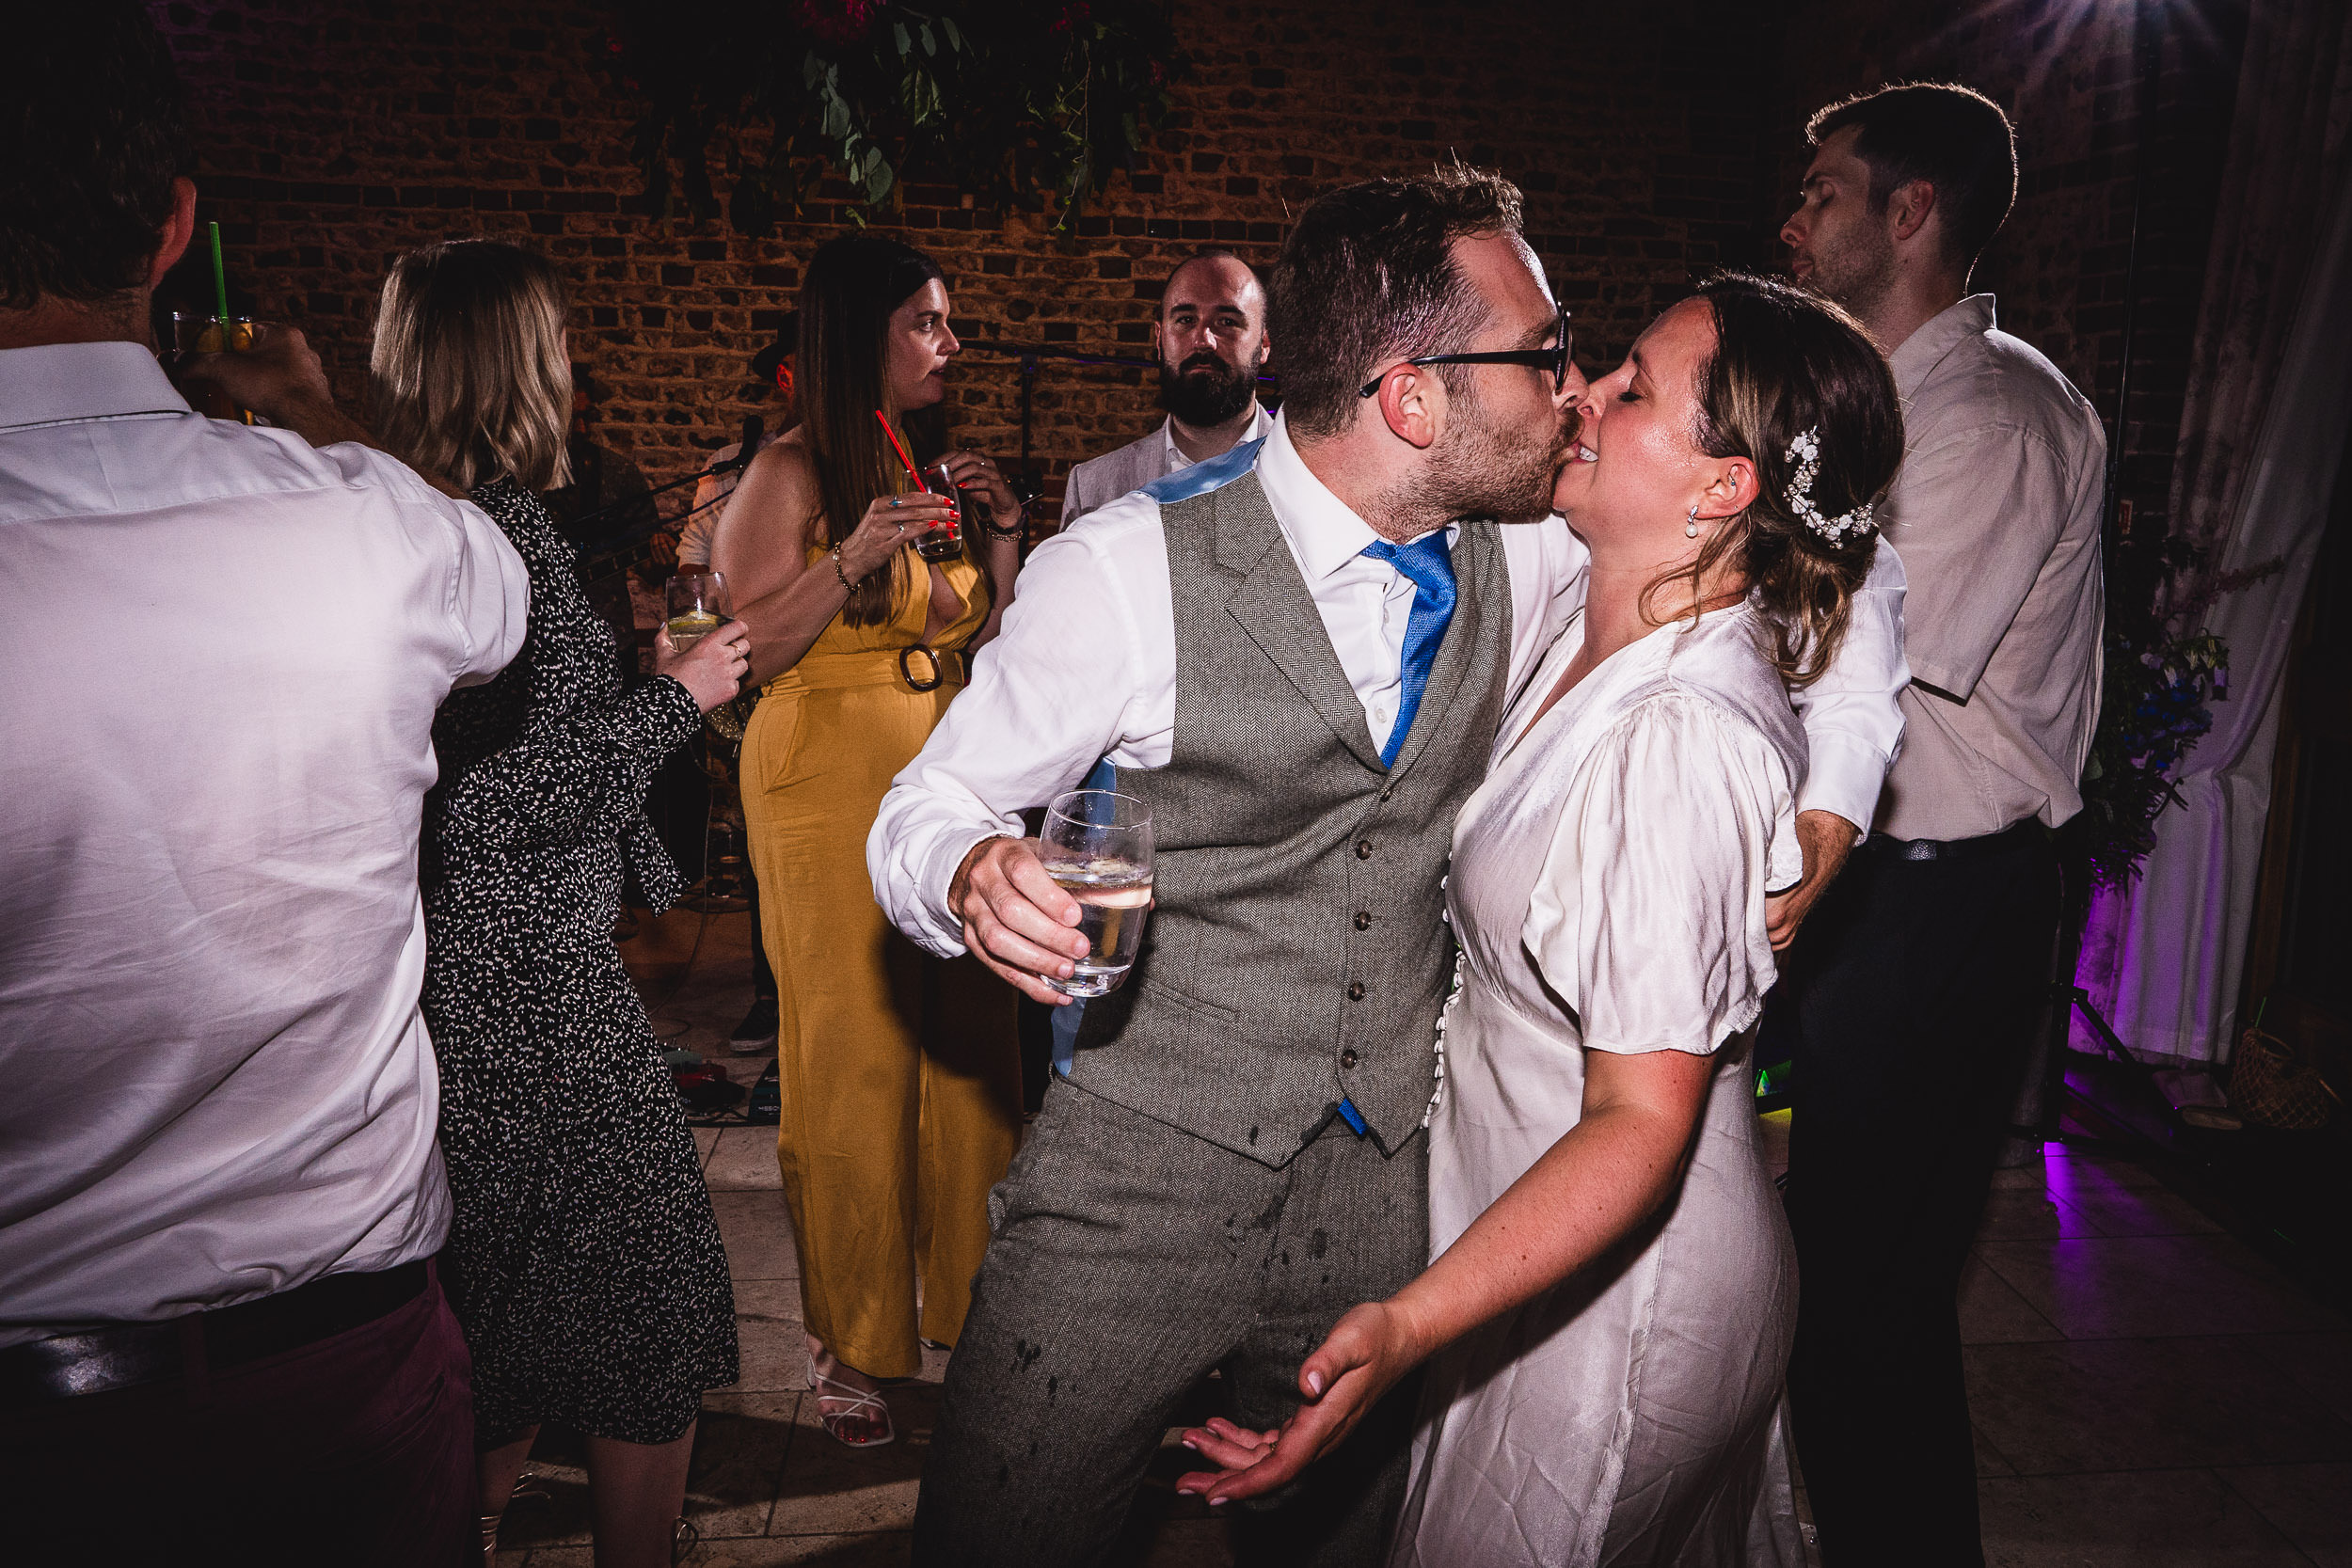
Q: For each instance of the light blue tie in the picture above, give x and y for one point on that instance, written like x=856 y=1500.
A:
x=1429 y=563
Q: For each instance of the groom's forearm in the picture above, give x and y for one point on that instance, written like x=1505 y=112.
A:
x=912 y=852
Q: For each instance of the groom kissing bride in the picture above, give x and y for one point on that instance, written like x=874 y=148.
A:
x=1467 y=657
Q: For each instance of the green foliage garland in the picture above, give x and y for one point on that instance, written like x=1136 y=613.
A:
x=1012 y=101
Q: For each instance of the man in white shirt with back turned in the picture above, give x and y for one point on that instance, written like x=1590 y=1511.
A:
x=219 y=1189
x=1909 y=1002
x=1211 y=337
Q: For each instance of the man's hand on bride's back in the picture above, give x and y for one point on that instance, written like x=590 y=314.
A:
x=1826 y=839
x=1363 y=1356
x=1016 y=919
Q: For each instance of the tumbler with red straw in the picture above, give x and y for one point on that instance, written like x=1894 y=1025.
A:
x=944 y=543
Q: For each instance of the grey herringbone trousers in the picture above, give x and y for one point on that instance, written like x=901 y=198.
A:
x=1129 y=1259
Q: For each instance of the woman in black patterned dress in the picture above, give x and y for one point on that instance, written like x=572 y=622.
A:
x=583 y=1261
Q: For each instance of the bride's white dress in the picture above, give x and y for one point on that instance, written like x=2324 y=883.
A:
x=1608 y=891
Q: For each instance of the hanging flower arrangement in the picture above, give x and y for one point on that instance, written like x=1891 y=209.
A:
x=1020 y=103
x=2159 y=678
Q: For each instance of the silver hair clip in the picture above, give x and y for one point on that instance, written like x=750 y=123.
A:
x=1805 y=452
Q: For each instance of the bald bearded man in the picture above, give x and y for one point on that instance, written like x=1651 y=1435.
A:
x=1211 y=339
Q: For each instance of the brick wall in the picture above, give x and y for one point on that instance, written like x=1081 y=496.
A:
x=335 y=136
x=1653 y=141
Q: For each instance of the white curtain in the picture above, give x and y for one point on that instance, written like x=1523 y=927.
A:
x=2164 y=959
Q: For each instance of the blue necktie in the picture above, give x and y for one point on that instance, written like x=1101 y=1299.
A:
x=1429 y=563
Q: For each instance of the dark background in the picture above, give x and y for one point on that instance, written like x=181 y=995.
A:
x=1654 y=141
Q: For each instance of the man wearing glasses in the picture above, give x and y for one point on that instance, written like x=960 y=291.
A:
x=1298 y=656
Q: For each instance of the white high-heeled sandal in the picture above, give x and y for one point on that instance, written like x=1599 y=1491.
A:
x=866 y=1404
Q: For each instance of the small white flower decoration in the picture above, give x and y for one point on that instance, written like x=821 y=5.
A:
x=1805 y=452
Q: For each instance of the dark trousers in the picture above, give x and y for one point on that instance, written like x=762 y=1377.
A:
x=357 y=1449
x=1906 y=1009
x=1128 y=1260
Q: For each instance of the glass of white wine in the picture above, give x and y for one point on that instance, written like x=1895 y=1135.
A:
x=1097 y=845
x=697 y=602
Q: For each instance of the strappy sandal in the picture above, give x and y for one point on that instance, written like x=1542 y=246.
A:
x=867 y=1408
x=529 y=1486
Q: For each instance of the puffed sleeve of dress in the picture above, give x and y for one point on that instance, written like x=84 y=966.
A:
x=1647 y=918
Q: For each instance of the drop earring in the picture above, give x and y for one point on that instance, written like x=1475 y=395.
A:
x=1690 y=528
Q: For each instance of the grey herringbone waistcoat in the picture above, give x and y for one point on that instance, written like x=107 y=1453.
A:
x=1296 y=954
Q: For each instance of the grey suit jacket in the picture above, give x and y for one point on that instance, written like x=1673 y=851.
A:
x=1131 y=468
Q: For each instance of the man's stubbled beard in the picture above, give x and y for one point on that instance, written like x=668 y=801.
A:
x=1204 y=400
x=1482 y=471
x=1858 y=275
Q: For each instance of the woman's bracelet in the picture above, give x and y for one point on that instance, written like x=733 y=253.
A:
x=1019 y=527
x=847 y=586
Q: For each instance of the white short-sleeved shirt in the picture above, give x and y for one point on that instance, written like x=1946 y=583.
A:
x=1996 y=512
x=225 y=651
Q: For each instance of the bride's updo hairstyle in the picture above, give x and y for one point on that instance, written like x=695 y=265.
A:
x=1786 y=363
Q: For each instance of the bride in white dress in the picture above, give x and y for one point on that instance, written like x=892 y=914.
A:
x=1607 y=1319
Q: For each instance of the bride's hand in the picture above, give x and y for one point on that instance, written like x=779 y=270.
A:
x=1364 y=1355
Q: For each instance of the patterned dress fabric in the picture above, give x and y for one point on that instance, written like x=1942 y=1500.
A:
x=583 y=1259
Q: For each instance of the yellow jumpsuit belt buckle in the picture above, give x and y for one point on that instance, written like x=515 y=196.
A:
x=936 y=667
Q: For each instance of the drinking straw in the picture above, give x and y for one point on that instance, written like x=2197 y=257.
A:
x=899 y=448
x=220 y=288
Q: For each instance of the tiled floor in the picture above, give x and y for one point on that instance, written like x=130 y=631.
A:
x=2148 y=1391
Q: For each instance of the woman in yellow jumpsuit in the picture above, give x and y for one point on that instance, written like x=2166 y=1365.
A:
x=901 y=1072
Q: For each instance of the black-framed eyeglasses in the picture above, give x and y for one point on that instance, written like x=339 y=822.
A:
x=1554 y=359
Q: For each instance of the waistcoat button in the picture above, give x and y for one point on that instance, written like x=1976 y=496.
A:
x=1347 y=1057
x=1387 y=790
x=1363 y=921
x=1355 y=990
x=1363 y=848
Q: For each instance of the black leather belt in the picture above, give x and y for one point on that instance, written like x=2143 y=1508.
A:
x=2009 y=838
x=102 y=1360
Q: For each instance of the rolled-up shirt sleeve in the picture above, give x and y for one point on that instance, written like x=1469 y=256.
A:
x=1854 y=724
x=1052 y=695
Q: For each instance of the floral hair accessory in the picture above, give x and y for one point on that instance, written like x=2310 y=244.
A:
x=1805 y=452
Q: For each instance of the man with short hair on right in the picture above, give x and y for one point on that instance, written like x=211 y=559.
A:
x=1922 y=972
x=1211 y=336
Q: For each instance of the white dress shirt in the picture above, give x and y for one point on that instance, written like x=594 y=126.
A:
x=1998 y=510
x=225 y=648
x=1107 y=478
x=1085 y=669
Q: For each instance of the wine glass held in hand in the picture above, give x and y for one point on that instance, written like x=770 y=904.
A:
x=1097 y=846
x=697 y=603
x=944 y=543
